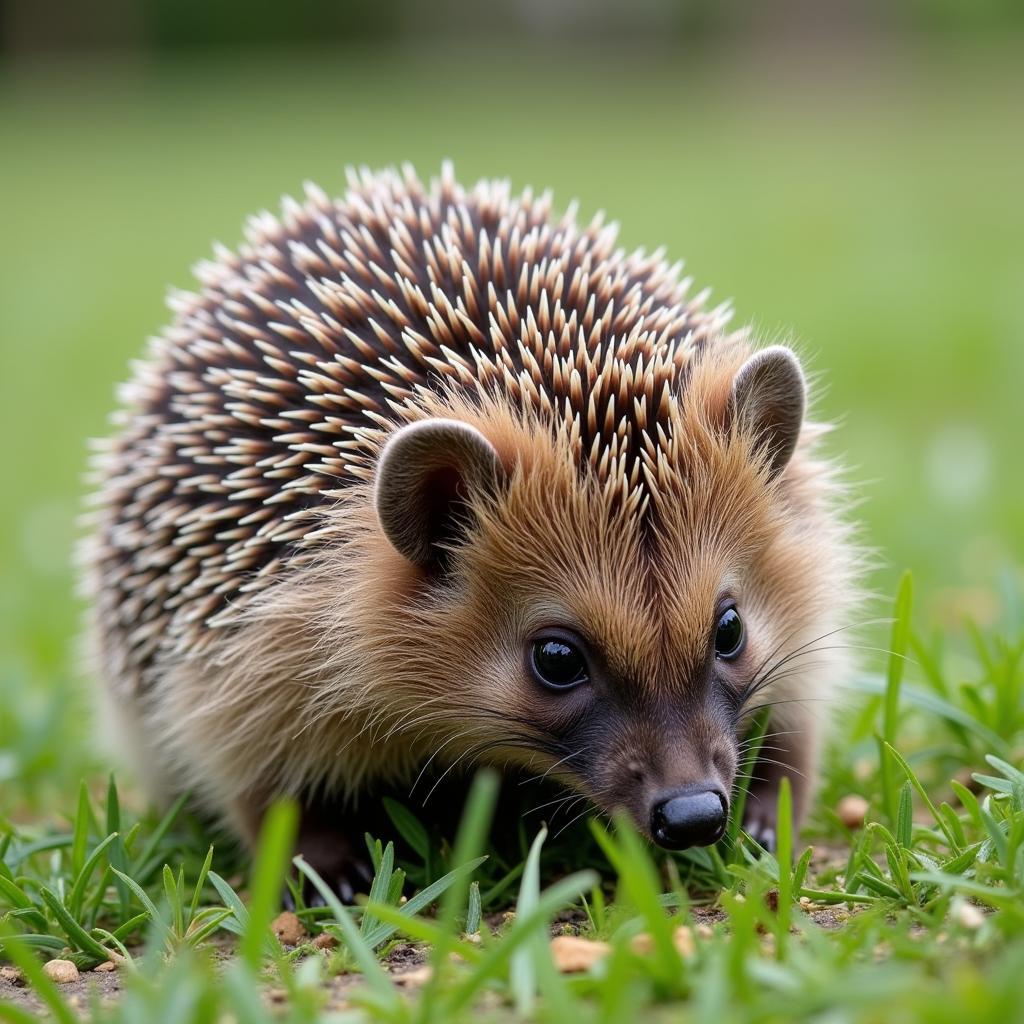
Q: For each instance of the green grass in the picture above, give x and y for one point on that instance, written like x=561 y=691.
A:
x=874 y=211
x=925 y=902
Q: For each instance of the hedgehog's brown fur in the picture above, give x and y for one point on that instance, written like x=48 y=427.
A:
x=259 y=632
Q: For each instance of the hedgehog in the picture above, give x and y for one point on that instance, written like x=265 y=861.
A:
x=429 y=475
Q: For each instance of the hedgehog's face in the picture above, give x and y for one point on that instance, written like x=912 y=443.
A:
x=571 y=636
x=667 y=752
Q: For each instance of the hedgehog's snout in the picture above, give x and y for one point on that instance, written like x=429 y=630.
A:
x=694 y=815
x=674 y=784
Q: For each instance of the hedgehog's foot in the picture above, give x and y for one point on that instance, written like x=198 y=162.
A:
x=790 y=751
x=760 y=816
x=331 y=842
x=761 y=811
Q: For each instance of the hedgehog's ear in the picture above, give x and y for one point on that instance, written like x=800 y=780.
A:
x=768 y=400
x=425 y=475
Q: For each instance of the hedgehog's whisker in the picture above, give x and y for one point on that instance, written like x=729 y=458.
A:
x=787 y=700
x=561 y=799
x=429 y=761
x=794 y=672
x=782 y=764
x=754 y=683
x=748 y=742
x=767 y=747
x=757 y=778
x=475 y=750
x=824 y=636
x=547 y=772
x=561 y=803
x=520 y=739
x=399 y=724
x=572 y=821
x=754 y=686
x=568 y=806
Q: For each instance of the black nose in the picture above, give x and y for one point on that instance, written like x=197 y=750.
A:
x=695 y=816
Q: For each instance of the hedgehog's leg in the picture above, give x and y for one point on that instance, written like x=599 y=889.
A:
x=330 y=840
x=790 y=751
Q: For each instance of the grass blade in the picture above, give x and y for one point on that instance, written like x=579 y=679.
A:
x=148 y=905
x=409 y=827
x=230 y=900
x=904 y=820
x=118 y=855
x=80 y=835
x=784 y=856
x=148 y=860
x=912 y=778
x=277 y=837
x=77 y=895
x=74 y=931
x=551 y=901
x=422 y=900
x=898 y=643
x=522 y=968
x=379 y=887
x=752 y=748
x=474 y=913
x=360 y=949
x=197 y=892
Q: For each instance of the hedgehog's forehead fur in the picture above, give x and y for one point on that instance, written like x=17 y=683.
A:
x=637 y=561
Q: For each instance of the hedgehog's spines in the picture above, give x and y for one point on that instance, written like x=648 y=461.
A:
x=278 y=379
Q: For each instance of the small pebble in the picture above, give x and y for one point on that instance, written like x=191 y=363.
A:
x=103 y=968
x=573 y=954
x=642 y=944
x=63 y=972
x=683 y=939
x=416 y=977
x=288 y=928
x=325 y=941
x=11 y=974
x=852 y=810
x=970 y=916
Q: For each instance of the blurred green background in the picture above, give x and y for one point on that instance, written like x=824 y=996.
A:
x=852 y=175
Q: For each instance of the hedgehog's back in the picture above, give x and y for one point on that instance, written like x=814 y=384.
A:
x=274 y=383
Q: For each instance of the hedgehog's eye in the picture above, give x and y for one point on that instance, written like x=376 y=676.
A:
x=729 y=634
x=557 y=663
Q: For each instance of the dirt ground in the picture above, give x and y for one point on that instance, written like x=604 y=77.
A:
x=406 y=961
x=78 y=993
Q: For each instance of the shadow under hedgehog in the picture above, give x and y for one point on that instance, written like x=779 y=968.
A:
x=430 y=475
